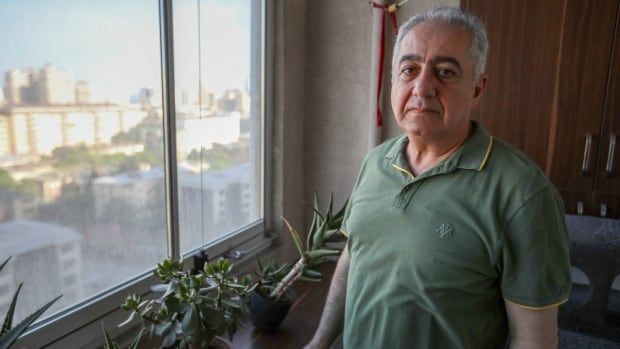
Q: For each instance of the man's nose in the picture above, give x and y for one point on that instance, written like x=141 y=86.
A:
x=424 y=84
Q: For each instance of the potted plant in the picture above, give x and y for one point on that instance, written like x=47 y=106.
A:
x=109 y=344
x=273 y=296
x=10 y=333
x=194 y=311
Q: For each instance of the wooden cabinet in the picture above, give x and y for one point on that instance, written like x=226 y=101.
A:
x=607 y=180
x=554 y=92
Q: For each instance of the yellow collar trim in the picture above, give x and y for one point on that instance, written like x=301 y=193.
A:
x=403 y=170
x=486 y=155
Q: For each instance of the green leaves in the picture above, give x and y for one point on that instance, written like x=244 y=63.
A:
x=316 y=254
x=109 y=344
x=8 y=333
x=192 y=309
x=12 y=334
x=325 y=228
x=167 y=270
x=295 y=236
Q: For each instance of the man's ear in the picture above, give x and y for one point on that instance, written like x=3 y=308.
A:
x=479 y=86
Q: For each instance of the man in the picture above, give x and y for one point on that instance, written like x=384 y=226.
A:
x=456 y=239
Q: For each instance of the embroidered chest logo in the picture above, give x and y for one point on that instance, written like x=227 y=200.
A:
x=445 y=231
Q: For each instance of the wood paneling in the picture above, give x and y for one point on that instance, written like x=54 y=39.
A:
x=553 y=90
x=524 y=38
x=610 y=181
x=585 y=57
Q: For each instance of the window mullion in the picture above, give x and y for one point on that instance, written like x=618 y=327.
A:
x=168 y=110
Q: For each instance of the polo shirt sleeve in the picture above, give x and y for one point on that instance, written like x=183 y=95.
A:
x=535 y=260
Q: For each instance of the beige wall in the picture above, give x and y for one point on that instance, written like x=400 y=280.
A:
x=322 y=63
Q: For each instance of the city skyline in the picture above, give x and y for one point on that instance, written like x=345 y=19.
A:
x=50 y=85
x=115 y=45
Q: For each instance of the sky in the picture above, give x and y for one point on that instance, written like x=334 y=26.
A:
x=114 y=44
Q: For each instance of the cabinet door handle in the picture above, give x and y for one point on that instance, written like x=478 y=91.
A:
x=611 y=153
x=603 y=210
x=580 y=208
x=585 y=164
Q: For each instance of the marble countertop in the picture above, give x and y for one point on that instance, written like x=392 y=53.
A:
x=594 y=230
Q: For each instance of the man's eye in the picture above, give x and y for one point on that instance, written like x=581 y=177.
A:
x=407 y=71
x=445 y=73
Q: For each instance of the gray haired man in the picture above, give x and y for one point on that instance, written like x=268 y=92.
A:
x=456 y=239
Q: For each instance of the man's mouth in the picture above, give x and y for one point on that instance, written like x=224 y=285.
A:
x=423 y=110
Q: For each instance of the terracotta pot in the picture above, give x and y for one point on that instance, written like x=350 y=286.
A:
x=267 y=315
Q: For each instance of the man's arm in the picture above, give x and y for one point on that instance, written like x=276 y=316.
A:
x=532 y=328
x=332 y=319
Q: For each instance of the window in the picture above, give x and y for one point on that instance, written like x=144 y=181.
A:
x=218 y=133
x=82 y=149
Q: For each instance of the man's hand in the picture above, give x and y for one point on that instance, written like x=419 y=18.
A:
x=532 y=328
x=332 y=319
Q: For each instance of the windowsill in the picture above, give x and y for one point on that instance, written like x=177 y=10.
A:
x=82 y=327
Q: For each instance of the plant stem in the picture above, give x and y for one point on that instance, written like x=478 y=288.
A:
x=220 y=292
x=288 y=280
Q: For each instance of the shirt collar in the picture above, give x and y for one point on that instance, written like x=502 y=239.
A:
x=472 y=155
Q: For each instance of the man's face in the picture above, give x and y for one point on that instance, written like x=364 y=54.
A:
x=433 y=89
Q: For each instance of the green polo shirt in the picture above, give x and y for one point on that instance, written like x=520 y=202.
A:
x=435 y=257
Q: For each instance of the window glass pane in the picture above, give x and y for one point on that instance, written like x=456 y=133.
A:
x=217 y=61
x=81 y=151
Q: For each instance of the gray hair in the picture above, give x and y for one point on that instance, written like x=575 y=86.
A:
x=455 y=17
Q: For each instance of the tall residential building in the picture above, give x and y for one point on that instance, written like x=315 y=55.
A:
x=222 y=197
x=34 y=244
x=234 y=100
x=207 y=99
x=137 y=188
x=5 y=142
x=38 y=130
x=49 y=85
x=196 y=133
x=15 y=84
x=82 y=92
x=56 y=86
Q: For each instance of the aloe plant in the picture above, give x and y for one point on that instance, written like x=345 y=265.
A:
x=269 y=275
x=10 y=333
x=109 y=344
x=325 y=228
x=193 y=309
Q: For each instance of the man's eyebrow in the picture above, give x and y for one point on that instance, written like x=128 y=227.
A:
x=415 y=58
x=435 y=60
x=448 y=59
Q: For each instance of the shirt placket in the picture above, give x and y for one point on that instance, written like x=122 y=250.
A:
x=412 y=184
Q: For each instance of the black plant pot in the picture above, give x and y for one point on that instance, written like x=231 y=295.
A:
x=267 y=315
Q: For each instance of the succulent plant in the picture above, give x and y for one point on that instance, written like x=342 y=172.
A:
x=325 y=228
x=193 y=309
